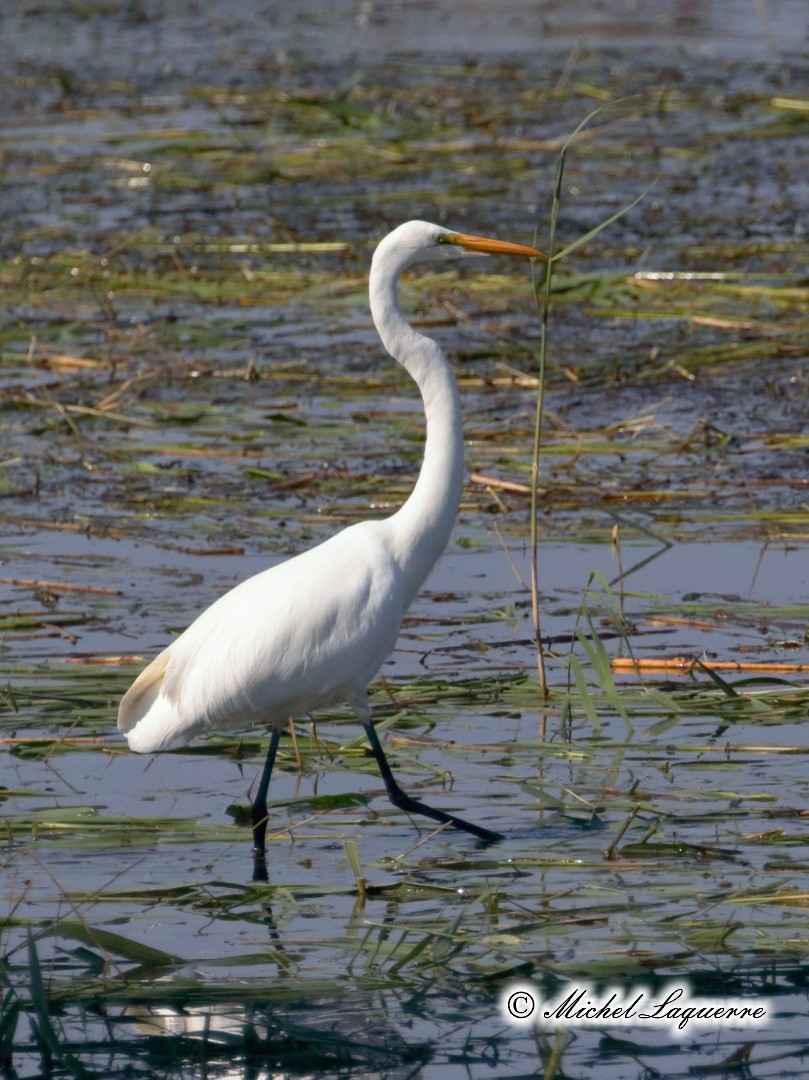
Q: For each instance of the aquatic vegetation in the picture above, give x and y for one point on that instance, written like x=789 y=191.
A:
x=191 y=388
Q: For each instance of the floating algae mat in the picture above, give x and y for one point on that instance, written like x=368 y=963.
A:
x=192 y=390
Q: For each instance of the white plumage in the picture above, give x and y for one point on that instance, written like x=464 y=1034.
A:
x=309 y=632
x=315 y=630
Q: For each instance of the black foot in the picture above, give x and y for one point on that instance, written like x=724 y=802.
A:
x=260 y=866
x=413 y=806
x=410 y=805
x=259 y=812
x=259 y=853
x=259 y=816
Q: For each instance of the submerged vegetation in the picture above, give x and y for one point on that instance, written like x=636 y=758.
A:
x=191 y=388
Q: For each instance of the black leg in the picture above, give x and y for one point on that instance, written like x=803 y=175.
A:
x=414 y=806
x=259 y=813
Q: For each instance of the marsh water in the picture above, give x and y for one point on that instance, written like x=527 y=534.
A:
x=192 y=390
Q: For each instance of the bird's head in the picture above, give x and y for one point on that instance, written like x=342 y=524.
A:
x=419 y=241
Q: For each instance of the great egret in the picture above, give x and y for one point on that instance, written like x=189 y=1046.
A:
x=314 y=630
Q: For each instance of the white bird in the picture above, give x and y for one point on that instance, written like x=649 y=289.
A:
x=314 y=630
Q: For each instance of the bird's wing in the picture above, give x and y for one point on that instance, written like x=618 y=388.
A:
x=308 y=632
x=289 y=639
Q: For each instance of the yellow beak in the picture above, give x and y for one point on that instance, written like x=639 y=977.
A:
x=491 y=247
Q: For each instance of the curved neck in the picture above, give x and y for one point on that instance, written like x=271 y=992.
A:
x=421 y=528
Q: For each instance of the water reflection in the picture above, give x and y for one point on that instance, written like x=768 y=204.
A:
x=336 y=1035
